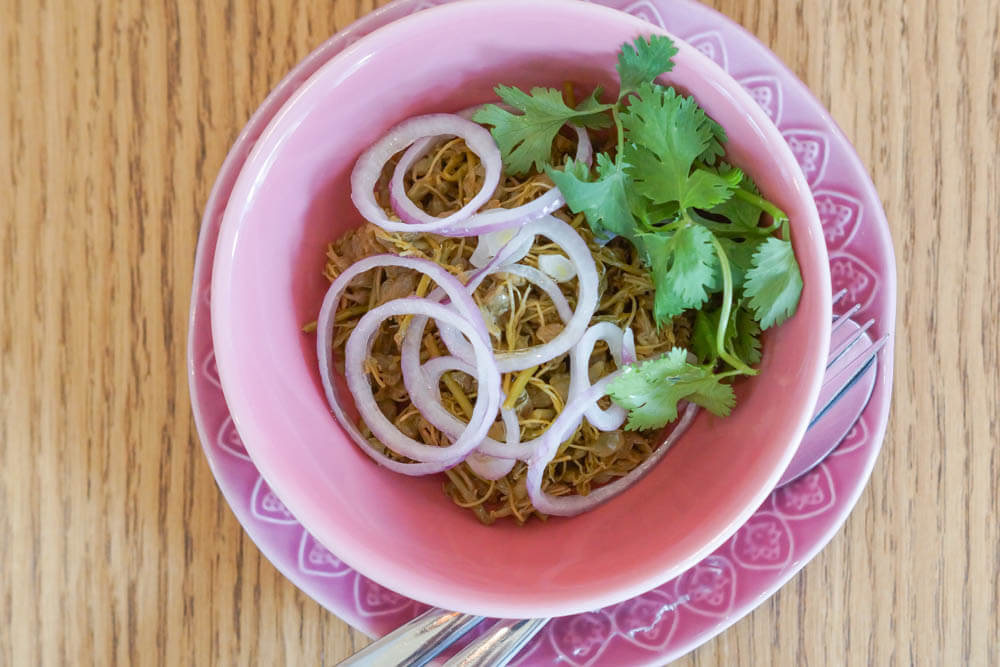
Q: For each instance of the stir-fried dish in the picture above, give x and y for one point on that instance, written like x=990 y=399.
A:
x=532 y=322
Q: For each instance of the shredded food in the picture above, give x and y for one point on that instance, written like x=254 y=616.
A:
x=518 y=316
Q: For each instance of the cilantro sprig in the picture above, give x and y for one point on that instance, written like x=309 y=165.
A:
x=701 y=225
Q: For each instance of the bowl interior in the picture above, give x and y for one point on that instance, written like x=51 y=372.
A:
x=292 y=198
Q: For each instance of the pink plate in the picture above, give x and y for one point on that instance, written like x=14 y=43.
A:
x=791 y=526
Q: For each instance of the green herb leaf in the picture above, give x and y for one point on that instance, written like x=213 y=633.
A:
x=684 y=266
x=716 y=146
x=743 y=216
x=694 y=219
x=740 y=253
x=525 y=139
x=666 y=133
x=650 y=391
x=644 y=61
x=703 y=333
x=773 y=283
x=605 y=201
x=743 y=336
x=705 y=189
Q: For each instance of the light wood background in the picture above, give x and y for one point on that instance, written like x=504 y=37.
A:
x=115 y=544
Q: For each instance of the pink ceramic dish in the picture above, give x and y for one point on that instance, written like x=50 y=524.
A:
x=292 y=197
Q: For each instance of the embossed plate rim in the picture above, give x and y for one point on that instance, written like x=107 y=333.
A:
x=285 y=544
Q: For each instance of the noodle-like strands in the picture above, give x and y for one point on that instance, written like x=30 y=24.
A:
x=517 y=314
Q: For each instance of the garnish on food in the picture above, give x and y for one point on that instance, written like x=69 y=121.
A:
x=525 y=316
x=699 y=223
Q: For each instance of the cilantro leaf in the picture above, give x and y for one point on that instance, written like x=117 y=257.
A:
x=743 y=215
x=644 y=61
x=703 y=335
x=650 y=391
x=605 y=201
x=740 y=255
x=525 y=139
x=684 y=266
x=705 y=189
x=716 y=146
x=666 y=134
x=773 y=282
x=742 y=337
x=672 y=127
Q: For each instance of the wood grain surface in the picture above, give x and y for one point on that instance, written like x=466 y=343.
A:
x=116 y=546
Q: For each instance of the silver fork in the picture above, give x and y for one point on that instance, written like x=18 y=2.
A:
x=421 y=640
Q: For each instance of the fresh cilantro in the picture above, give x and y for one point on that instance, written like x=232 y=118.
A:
x=742 y=216
x=666 y=134
x=773 y=283
x=740 y=254
x=706 y=324
x=644 y=61
x=605 y=200
x=742 y=337
x=525 y=139
x=650 y=391
x=716 y=146
x=706 y=189
x=699 y=223
x=683 y=267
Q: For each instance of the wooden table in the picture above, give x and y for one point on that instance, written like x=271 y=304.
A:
x=115 y=544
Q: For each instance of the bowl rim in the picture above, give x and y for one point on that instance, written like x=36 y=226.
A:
x=385 y=570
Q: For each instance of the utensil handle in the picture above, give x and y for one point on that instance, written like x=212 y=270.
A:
x=501 y=643
x=417 y=642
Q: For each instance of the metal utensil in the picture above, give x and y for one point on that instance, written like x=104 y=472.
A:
x=416 y=643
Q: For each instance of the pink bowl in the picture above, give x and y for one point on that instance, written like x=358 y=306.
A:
x=292 y=198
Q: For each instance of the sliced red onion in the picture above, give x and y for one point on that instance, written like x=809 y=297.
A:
x=544 y=283
x=467 y=318
x=576 y=504
x=513 y=251
x=603 y=419
x=489 y=467
x=369 y=167
x=423 y=384
x=419 y=149
x=485 y=221
x=629 y=355
x=557 y=267
x=487 y=398
x=575 y=247
x=494 y=243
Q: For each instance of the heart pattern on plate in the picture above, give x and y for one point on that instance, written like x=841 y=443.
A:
x=229 y=440
x=580 y=640
x=860 y=281
x=709 y=588
x=840 y=215
x=316 y=560
x=764 y=542
x=811 y=150
x=855 y=438
x=375 y=600
x=266 y=506
x=711 y=44
x=649 y=620
x=766 y=91
x=808 y=496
